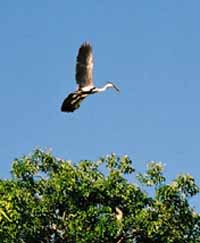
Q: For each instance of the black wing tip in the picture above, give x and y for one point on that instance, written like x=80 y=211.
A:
x=72 y=102
x=65 y=107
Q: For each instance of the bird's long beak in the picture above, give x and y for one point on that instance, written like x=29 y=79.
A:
x=115 y=87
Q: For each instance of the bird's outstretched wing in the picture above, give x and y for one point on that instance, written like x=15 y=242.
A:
x=72 y=102
x=84 y=66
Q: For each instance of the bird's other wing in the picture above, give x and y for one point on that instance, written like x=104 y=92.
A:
x=84 y=66
x=72 y=101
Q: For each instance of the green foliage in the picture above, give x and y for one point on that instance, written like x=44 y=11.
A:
x=53 y=200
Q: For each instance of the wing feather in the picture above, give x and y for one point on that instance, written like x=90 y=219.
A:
x=72 y=102
x=84 y=66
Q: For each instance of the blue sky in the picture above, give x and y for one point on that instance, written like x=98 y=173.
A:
x=149 y=48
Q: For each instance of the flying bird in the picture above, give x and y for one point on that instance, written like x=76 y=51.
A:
x=84 y=80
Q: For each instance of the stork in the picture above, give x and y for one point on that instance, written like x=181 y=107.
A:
x=84 y=80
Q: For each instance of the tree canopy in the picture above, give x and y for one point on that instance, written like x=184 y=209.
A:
x=48 y=199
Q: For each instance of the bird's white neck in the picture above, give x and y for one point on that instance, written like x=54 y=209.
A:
x=106 y=86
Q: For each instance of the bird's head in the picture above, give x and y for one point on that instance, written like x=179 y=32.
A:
x=112 y=85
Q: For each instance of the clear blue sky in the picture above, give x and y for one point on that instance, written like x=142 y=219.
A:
x=151 y=49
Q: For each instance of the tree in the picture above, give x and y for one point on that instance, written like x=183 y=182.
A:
x=52 y=200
